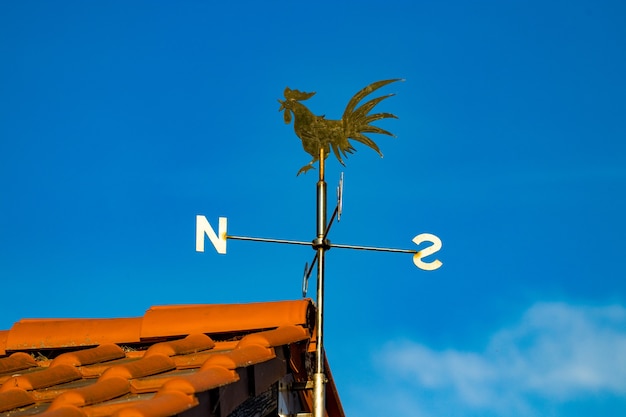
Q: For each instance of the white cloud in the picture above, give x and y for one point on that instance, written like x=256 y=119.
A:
x=556 y=354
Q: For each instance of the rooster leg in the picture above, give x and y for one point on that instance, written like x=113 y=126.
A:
x=307 y=167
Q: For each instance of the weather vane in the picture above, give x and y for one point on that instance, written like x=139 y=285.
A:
x=319 y=136
x=318 y=133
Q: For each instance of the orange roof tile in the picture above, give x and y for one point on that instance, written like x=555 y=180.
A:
x=173 y=359
x=43 y=379
x=51 y=333
x=4 y=334
x=190 y=344
x=14 y=398
x=16 y=362
x=102 y=390
x=102 y=353
x=178 y=320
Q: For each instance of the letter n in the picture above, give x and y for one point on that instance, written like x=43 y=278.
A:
x=218 y=240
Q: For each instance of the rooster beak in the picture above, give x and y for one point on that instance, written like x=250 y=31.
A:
x=282 y=105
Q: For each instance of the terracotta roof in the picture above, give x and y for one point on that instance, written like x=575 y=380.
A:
x=220 y=360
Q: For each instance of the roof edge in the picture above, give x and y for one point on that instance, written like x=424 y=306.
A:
x=157 y=322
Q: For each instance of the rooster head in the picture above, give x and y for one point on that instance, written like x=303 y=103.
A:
x=291 y=97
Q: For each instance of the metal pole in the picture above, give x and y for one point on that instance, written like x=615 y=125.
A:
x=320 y=244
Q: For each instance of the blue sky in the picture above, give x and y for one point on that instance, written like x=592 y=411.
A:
x=121 y=121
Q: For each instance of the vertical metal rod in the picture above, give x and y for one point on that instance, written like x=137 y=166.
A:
x=319 y=379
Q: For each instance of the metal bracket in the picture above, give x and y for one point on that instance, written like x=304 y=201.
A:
x=340 y=197
x=305 y=280
x=301 y=386
x=288 y=403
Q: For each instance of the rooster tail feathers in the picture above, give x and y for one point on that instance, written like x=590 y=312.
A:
x=359 y=137
x=364 y=92
x=374 y=129
x=373 y=117
x=364 y=109
x=339 y=152
x=357 y=120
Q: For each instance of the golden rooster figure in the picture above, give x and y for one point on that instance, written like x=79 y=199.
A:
x=316 y=132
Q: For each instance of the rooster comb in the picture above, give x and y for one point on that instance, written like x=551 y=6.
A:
x=297 y=94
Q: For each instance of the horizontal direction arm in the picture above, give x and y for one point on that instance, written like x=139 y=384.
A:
x=372 y=248
x=263 y=239
x=331 y=245
x=417 y=254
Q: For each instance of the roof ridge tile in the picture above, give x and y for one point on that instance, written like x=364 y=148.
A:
x=162 y=321
x=54 y=333
x=4 y=335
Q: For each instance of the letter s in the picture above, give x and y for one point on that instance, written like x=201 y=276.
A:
x=429 y=250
